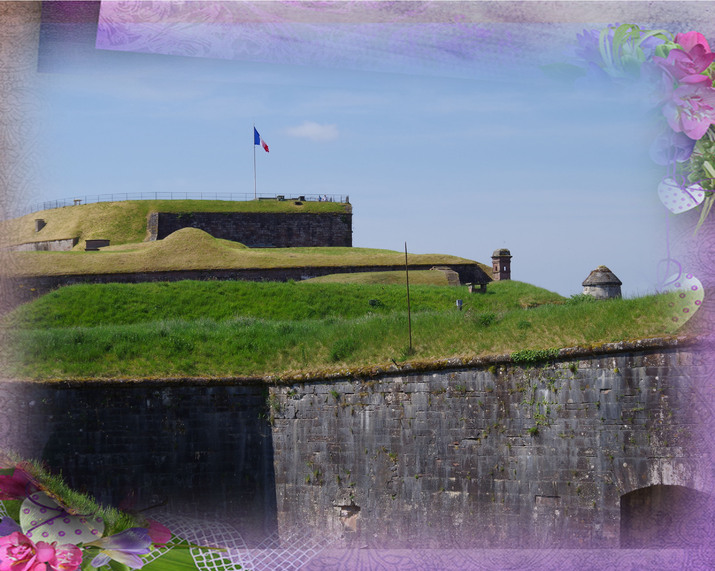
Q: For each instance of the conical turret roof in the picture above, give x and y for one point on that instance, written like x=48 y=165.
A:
x=601 y=276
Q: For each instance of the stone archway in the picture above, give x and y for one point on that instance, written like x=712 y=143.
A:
x=662 y=516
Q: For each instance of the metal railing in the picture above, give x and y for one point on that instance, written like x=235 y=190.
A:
x=122 y=196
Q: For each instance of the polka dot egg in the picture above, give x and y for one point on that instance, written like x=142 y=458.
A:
x=42 y=519
x=689 y=298
x=677 y=198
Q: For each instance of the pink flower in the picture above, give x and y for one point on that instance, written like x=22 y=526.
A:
x=687 y=67
x=691 y=110
x=18 y=553
x=69 y=558
x=14 y=487
x=691 y=39
x=158 y=533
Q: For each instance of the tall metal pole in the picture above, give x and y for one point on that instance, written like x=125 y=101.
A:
x=254 y=162
x=409 y=311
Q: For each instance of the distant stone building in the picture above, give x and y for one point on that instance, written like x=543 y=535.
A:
x=501 y=264
x=602 y=283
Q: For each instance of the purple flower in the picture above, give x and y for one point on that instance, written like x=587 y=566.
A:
x=670 y=146
x=691 y=110
x=630 y=54
x=8 y=526
x=124 y=547
x=588 y=45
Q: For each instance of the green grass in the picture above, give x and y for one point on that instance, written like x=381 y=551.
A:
x=194 y=249
x=125 y=222
x=419 y=277
x=123 y=304
x=234 y=328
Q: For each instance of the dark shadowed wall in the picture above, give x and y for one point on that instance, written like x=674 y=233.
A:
x=260 y=230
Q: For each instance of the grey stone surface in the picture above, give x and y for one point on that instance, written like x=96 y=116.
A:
x=45 y=246
x=534 y=457
x=260 y=230
x=493 y=456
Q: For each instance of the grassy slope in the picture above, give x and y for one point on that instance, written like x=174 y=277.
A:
x=229 y=328
x=121 y=304
x=420 y=277
x=193 y=249
x=125 y=222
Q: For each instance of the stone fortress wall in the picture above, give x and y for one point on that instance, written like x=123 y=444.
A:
x=582 y=451
x=260 y=230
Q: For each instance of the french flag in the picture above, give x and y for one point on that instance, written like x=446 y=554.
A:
x=257 y=140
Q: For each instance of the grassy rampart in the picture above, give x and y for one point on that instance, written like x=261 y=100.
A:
x=229 y=328
x=193 y=249
x=126 y=222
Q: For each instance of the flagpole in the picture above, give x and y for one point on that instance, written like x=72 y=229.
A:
x=254 y=162
x=409 y=311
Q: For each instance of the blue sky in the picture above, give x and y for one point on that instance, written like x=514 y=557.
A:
x=459 y=156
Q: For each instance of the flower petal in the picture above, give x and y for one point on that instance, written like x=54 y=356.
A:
x=14 y=487
x=44 y=551
x=129 y=559
x=158 y=533
x=8 y=526
x=99 y=560
x=134 y=540
x=689 y=40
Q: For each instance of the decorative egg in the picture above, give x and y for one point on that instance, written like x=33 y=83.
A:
x=43 y=519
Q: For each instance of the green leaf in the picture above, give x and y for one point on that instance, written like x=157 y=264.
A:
x=13 y=508
x=664 y=49
x=86 y=563
x=604 y=48
x=662 y=34
x=709 y=169
x=707 y=205
x=181 y=560
x=620 y=36
x=117 y=566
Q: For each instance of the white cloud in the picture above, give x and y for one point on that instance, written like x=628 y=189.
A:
x=314 y=131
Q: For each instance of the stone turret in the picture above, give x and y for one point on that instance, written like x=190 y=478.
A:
x=501 y=264
x=602 y=283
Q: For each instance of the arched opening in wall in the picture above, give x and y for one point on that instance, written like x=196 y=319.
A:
x=662 y=516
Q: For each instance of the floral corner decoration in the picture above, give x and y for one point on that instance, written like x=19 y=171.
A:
x=678 y=75
x=50 y=536
x=679 y=72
